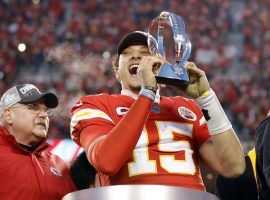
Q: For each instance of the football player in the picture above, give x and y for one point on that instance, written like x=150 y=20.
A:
x=140 y=137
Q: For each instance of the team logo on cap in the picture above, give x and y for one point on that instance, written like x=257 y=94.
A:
x=55 y=172
x=187 y=114
x=27 y=88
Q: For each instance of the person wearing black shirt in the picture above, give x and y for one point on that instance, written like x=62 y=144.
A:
x=262 y=147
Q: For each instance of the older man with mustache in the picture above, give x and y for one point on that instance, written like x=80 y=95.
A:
x=26 y=170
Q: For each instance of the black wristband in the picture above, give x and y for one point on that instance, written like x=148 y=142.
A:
x=153 y=89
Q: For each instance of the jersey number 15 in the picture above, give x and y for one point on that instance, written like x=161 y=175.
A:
x=168 y=144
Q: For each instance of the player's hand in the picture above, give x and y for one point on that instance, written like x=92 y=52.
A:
x=148 y=68
x=198 y=81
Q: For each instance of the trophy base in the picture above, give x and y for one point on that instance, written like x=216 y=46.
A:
x=172 y=81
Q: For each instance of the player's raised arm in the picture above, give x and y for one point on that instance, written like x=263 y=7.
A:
x=223 y=152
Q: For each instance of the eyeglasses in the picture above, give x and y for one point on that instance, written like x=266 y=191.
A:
x=35 y=108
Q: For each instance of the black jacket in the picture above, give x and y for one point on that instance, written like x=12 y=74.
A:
x=240 y=188
x=262 y=147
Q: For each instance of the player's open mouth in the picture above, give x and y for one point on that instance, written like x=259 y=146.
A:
x=133 y=69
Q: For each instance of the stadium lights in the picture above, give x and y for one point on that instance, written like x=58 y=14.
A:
x=21 y=47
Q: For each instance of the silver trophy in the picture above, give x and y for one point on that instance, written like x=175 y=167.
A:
x=167 y=37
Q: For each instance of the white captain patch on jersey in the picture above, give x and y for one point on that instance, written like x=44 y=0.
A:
x=187 y=114
x=87 y=113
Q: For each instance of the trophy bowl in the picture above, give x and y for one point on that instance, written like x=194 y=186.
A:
x=167 y=37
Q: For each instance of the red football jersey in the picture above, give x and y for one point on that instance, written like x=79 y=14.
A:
x=167 y=151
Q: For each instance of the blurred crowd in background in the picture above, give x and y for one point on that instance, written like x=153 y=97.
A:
x=66 y=47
